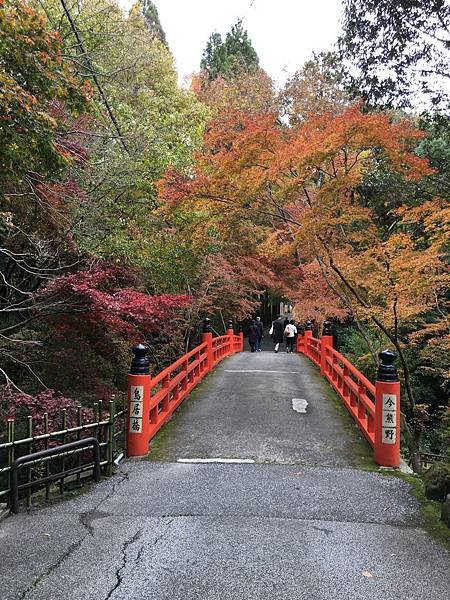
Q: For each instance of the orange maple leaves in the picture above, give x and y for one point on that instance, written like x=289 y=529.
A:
x=299 y=187
x=243 y=154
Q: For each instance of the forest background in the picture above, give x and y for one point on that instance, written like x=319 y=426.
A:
x=132 y=207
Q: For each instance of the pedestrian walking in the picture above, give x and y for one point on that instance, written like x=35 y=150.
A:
x=290 y=333
x=252 y=336
x=276 y=331
x=260 y=329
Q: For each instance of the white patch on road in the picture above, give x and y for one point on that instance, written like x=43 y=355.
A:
x=300 y=405
x=216 y=460
x=259 y=371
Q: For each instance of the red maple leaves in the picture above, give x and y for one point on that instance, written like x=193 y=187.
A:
x=98 y=297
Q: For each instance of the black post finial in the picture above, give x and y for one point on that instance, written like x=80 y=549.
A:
x=207 y=325
x=327 y=328
x=140 y=365
x=386 y=369
x=240 y=328
x=230 y=324
x=308 y=326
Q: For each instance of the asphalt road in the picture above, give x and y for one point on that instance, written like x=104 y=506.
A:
x=303 y=521
x=245 y=411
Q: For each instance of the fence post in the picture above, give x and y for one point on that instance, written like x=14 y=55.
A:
x=138 y=403
x=111 y=438
x=327 y=341
x=230 y=333
x=387 y=412
x=241 y=335
x=207 y=337
x=308 y=334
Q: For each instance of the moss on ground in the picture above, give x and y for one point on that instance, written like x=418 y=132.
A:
x=430 y=509
x=160 y=443
x=362 y=452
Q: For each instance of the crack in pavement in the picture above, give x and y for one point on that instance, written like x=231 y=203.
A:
x=158 y=539
x=119 y=576
x=88 y=517
x=414 y=523
x=86 y=520
x=115 y=485
x=325 y=531
x=125 y=546
x=53 y=567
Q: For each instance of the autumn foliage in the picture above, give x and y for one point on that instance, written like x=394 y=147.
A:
x=301 y=191
x=99 y=299
x=130 y=208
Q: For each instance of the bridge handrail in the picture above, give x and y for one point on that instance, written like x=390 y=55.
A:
x=179 y=362
x=362 y=379
x=221 y=347
x=220 y=340
x=153 y=399
x=171 y=386
x=313 y=349
x=237 y=343
x=354 y=389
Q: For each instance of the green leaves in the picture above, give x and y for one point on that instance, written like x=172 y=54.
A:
x=33 y=81
x=230 y=58
x=400 y=49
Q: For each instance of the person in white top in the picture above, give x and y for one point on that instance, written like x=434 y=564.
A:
x=290 y=333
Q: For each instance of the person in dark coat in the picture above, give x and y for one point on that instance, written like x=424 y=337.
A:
x=277 y=331
x=252 y=336
x=260 y=328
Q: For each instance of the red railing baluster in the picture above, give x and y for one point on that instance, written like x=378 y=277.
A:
x=334 y=373
x=375 y=408
x=165 y=387
x=151 y=400
x=306 y=337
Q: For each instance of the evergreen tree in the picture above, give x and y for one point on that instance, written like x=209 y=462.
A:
x=399 y=49
x=214 y=61
x=240 y=51
x=231 y=57
x=152 y=21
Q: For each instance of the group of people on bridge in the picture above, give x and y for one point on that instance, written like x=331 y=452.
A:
x=281 y=331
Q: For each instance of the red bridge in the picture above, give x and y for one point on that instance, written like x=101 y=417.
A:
x=263 y=485
x=374 y=407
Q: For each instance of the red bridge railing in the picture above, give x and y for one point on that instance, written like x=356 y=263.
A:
x=374 y=407
x=153 y=399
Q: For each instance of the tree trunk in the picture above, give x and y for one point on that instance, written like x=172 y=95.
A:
x=412 y=441
x=412 y=437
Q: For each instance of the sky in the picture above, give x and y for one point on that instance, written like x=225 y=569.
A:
x=284 y=33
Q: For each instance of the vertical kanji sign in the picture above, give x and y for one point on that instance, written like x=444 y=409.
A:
x=389 y=419
x=136 y=408
x=139 y=385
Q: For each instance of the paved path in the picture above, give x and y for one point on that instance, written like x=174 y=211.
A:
x=245 y=411
x=301 y=522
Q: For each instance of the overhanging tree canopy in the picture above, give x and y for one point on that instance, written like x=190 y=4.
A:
x=399 y=49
